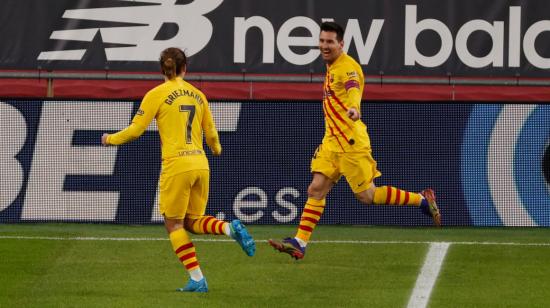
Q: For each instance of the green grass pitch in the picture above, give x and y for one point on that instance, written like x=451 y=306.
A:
x=79 y=265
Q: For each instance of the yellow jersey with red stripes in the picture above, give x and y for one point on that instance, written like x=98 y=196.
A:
x=343 y=89
x=182 y=114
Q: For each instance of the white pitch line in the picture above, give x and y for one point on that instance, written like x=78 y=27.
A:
x=79 y=238
x=428 y=242
x=428 y=275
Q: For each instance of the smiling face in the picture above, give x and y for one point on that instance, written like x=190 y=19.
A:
x=329 y=46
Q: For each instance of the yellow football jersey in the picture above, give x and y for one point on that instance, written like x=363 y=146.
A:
x=342 y=134
x=182 y=114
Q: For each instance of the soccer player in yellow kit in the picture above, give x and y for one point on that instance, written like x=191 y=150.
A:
x=345 y=149
x=182 y=115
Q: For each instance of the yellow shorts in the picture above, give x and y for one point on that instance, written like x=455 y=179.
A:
x=184 y=194
x=359 y=168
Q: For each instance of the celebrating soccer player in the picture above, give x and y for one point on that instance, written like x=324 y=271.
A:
x=182 y=115
x=345 y=149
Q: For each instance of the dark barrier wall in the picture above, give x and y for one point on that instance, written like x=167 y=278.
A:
x=398 y=37
x=488 y=163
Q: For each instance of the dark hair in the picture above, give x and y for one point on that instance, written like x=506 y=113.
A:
x=330 y=26
x=172 y=62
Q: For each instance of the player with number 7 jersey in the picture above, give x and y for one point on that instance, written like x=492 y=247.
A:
x=183 y=115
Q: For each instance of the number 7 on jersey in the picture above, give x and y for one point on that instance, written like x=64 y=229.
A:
x=191 y=110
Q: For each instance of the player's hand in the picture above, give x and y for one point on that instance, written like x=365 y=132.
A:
x=353 y=114
x=216 y=149
x=104 y=139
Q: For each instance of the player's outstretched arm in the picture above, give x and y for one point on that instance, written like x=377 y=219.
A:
x=126 y=135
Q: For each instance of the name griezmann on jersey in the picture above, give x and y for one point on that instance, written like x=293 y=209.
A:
x=182 y=92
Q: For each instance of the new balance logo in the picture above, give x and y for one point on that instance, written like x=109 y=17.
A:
x=193 y=30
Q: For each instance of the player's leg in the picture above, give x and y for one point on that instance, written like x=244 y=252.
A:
x=313 y=210
x=314 y=207
x=389 y=195
x=206 y=225
x=173 y=202
x=185 y=251
x=325 y=174
x=196 y=222
x=360 y=171
x=425 y=200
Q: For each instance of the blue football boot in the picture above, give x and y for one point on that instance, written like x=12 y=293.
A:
x=195 y=286
x=242 y=237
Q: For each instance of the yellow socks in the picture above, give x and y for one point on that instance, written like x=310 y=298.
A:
x=310 y=217
x=185 y=250
x=389 y=195
x=208 y=225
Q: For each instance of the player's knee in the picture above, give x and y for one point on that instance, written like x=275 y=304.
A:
x=315 y=191
x=172 y=225
x=366 y=197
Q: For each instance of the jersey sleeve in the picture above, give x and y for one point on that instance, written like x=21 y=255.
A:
x=143 y=117
x=352 y=84
x=210 y=131
x=354 y=96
